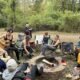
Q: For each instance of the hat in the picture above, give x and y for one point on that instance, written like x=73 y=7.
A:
x=20 y=36
x=11 y=64
x=27 y=25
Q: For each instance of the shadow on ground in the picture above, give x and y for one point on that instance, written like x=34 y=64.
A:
x=50 y=76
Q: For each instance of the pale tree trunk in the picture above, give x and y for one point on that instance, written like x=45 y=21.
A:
x=63 y=8
x=73 y=5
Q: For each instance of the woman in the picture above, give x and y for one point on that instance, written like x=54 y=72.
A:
x=26 y=44
x=9 y=45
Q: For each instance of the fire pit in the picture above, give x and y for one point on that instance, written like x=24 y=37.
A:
x=48 y=68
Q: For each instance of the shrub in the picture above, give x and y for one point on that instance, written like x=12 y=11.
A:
x=71 y=22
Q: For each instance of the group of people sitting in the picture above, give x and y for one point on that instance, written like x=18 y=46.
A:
x=11 y=69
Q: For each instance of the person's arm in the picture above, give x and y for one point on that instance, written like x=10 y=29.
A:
x=1 y=37
x=2 y=51
x=12 y=38
x=24 y=46
x=43 y=39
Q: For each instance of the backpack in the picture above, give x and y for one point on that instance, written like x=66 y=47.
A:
x=67 y=47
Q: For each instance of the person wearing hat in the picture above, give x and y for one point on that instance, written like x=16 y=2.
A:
x=20 y=72
x=28 y=30
x=9 y=73
x=26 y=44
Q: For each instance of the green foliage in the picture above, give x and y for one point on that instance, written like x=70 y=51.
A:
x=71 y=22
x=61 y=15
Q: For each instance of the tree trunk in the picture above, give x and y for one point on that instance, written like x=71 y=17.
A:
x=73 y=5
x=13 y=7
x=63 y=8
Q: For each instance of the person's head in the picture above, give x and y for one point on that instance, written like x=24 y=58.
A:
x=57 y=37
x=46 y=33
x=20 y=36
x=9 y=31
x=11 y=65
x=27 y=38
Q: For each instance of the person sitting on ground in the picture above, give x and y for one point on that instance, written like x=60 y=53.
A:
x=46 y=37
x=19 y=43
x=53 y=46
x=9 y=45
x=20 y=72
x=26 y=44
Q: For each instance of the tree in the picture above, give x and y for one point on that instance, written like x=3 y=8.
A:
x=73 y=5
x=37 y=5
x=13 y=8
